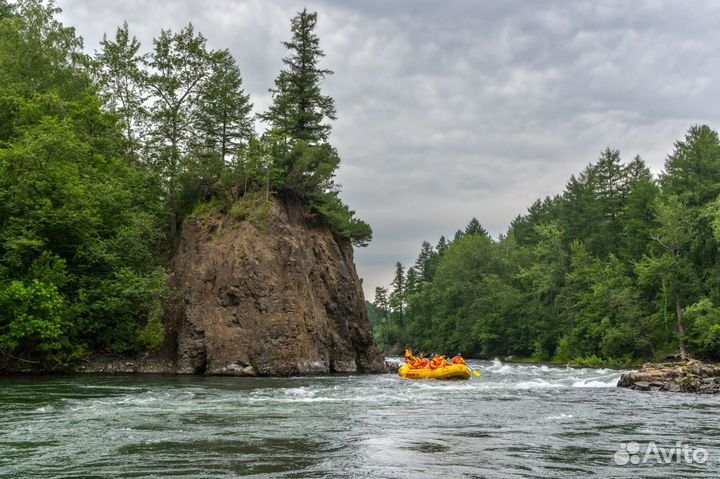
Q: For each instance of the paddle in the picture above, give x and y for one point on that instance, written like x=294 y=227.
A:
x=476 y=373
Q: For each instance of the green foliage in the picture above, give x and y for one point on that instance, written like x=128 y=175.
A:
x=101 y=159
x=253 y=208
x=152 y=335
x=341 y=219
x=299 y=110
x=35 y=320
x=703 y=319
x=599 y=275
x=203 y=211
x=81 y=236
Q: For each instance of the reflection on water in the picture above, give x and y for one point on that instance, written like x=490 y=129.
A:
x=515 y=421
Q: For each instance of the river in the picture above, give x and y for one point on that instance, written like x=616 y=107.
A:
x=515 y=421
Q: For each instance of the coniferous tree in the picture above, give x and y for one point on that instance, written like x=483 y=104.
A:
x=397 y=295
x=475 y=228
x=381 y=302
x=224 y=123
x=299 y=109
x=424 y=263
x=442 y=246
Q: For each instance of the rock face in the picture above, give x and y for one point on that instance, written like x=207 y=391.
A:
x=691 y=376
x=262 y=292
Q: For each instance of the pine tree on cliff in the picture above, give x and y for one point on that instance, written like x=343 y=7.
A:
x=299 y=108
x=299 y=116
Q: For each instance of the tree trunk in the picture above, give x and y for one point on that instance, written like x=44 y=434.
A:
x=680 y=326
x=173 y=214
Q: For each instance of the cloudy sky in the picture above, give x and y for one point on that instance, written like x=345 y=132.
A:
x=454 y=109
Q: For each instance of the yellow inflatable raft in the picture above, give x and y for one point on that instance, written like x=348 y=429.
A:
x=454 y=371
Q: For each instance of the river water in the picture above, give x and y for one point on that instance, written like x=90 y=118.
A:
x=515 y=421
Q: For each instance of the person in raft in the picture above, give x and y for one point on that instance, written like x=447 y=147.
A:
x=419 y=362
x=408 y=356
x=437 y=361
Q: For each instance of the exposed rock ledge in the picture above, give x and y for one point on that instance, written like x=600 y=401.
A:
x=691 y=376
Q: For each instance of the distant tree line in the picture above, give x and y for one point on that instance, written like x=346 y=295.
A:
x=103 y=156
x=621 y=267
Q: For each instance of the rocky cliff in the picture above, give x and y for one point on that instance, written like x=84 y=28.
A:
x=263 y=292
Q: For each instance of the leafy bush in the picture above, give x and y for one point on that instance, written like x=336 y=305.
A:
x=703 y=320
x=35 y=320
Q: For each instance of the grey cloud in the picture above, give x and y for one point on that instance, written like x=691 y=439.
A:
x=455 y=109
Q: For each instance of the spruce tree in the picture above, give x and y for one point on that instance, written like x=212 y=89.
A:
x=381 y=302
x=422 y=264
x=397 y=296
x=299 y=108
x=475 y=228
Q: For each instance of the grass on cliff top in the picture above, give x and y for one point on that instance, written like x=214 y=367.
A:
x=204 y=210
x=252 y=207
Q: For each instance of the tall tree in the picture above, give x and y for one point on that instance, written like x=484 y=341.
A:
x=442 y=246
x=124 y=83
x=40 y=53
x=299 y=108
x=397 y=296
x=224 y=120
x=671 y=267
x=424 y=262
x=180 y=67
x=692 y=171
x=381 y=302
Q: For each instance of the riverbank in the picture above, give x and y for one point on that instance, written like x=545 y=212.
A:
x=113 y=365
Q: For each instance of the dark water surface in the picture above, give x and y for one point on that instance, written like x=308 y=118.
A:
x=515 y=421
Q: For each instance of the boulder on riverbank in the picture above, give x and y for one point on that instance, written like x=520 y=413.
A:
x=690 y=376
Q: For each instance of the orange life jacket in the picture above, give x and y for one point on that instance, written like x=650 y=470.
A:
x=458 y=360
x=408 y=356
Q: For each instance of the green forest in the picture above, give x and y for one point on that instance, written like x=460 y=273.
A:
x=104 y=155
x=620 y=268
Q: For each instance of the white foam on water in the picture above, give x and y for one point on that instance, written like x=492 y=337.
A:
x=596 y=383
x=538 y=384
x=44 y=409
x=560 y=417
x=499 y=368
x=299 y=392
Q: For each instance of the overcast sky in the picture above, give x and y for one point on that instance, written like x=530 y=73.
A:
x=454 y=109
